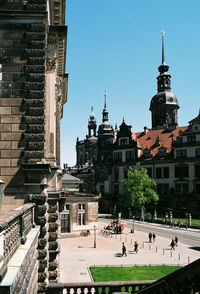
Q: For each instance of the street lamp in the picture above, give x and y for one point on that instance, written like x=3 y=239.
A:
x=95 y=237
x=133 y=224
x=186 y=220
x=129 y=212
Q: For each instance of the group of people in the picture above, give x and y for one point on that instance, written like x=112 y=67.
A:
x=174 y=243
x=152 y=237
x=135 y=249
x=115 y=227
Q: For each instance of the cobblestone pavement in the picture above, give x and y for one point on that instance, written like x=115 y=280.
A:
x=78 y=253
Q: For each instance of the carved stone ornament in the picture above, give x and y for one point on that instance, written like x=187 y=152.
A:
x=51 y=63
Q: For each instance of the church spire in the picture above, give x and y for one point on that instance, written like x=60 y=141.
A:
x=105 y=110
x=105 y=99
x=163 y=68
x=163 y=52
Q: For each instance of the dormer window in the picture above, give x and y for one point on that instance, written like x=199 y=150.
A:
x=162 y=151
x=147 y=153
x=123 y=141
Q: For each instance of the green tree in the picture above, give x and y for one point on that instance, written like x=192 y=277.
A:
x=139 y=189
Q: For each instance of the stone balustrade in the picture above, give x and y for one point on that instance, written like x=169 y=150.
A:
x=101 y=287
x=14 y=227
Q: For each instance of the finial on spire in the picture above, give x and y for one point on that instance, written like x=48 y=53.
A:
x=123 y=119
x=163 y=53
x=105 y=99
x=92 y=109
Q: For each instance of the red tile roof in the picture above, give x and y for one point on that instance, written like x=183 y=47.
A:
x=149 y=140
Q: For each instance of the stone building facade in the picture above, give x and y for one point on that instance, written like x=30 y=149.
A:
x=32 y=94
x=170 y=154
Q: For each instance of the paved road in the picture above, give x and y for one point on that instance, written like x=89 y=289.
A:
x=190 y=237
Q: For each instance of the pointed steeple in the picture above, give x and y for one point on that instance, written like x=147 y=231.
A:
x=105 y=99
x=163 y=68
x=105 y=110
x=164 y=104
x=92 y=123
x=163 y=53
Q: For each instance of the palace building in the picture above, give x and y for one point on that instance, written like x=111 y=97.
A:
x=170 y=153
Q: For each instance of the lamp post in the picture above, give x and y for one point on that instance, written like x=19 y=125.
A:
x=133 y=224
x=95 y=239
x=186 y=220
x=129 y=212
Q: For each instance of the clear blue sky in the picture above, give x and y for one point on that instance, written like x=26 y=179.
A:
x=115 y=45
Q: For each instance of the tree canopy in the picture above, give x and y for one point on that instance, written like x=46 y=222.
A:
x=139 y=188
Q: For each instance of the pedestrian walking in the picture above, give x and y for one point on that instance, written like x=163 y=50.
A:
x=150 y=237
x=172 y=244
x=123 y=249
x=176 y=241
x=136 y=247
x=154 y=237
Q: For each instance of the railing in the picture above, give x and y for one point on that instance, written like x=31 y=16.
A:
x=14 y=226
x=101 y=287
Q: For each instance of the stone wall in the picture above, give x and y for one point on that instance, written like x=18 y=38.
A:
x=22 y=60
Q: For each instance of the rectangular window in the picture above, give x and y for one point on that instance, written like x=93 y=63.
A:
x=181 y=171
x=191 y=139
x=158 y=172
x=185 y=188
x=182 y=188
x=159 y=188
x=64 y=222
x=149 y=171
x=198 y=189
x=129 y=155
x=101 y=175
x=116 y=174
x=197 y=152
x=123 y=142
x=163 y=188
x=116 y=189
x=102 y=189
x=117 y=156
x=81 y=214
x=178 y=188
x=181 y=153
x=197 y=171
x=166 y=172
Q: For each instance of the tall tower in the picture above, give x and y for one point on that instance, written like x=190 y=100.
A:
x=105 y=136
x=164 y=105
x=92 y=124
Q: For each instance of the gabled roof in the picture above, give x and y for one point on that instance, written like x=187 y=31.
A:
x=67 y=178
x=150 y=139
x=196 y=120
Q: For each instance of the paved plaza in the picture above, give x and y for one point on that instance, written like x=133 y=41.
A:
x=78 y=253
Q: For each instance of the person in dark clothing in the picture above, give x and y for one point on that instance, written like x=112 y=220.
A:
x=123 y=249
x=176 y=241
x=154 y=237
x=172 y=244
x=136 y=247
x=150 y=237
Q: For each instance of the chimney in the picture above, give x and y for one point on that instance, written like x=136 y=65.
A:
x=145 y=130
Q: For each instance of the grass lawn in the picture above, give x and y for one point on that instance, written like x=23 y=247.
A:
x=135 y=273
x=195 y=222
